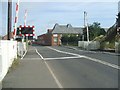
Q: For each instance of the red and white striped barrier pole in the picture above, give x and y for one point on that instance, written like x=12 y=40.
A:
x=16 y=18
x=25 y=17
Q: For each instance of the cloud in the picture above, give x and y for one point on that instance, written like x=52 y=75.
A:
x=64 y=0
x=45 y=14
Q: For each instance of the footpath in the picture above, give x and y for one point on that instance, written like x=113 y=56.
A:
x=30 y=73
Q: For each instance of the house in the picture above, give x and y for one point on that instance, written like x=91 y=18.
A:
x=66 y=29
x=49 y=39
x=53 y=36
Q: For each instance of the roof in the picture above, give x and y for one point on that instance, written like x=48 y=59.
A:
x=78 y=29
x=66 y=29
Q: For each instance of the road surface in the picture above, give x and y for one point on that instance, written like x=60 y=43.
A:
x=61 y=67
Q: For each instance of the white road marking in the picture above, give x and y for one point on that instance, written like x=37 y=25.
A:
x=65 y=52
x=86 y=57
x=39 y=54
x=61 y=58
x=55 y=78
x=103 y=62
x=32 y=59
x=24 y=55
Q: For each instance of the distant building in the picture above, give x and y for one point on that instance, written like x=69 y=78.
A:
x=49 y=39
x=5 y=37
x=53 y=36
x=66 y=29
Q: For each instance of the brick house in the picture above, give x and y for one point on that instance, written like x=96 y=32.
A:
x=49 y=39
x=53 y=36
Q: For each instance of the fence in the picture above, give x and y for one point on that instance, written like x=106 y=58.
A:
x=91 y=45
x=8 y=52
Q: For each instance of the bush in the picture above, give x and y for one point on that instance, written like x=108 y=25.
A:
x=107 y=45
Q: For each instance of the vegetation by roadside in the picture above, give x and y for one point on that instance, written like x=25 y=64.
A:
x=95 y=30
x=107 y=45
x=71 y=39
x=107 y=38
x=15 y=63
x=0 y=37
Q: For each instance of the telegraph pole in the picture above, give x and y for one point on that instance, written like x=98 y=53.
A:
x=84 y=19
x=84 y=27
x=25 y=20
x=86 y=24
x=9 y=19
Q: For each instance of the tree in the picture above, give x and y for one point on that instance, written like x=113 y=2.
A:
x=102 y=31
x=64 y=38
x=95 y=30
x=71 y=38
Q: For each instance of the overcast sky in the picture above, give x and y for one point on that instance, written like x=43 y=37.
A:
x=44 y=15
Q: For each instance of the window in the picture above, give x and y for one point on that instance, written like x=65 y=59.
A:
x=55 y=39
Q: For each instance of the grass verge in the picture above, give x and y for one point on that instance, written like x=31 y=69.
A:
x=15 y=63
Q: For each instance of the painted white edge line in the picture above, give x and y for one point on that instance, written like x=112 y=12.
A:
x=32 y=59
x=39 y=54
x=61 y=58
x=86 y=57
x=65 y=52
x=24 y=54
x=103 y=62
x=55 y=78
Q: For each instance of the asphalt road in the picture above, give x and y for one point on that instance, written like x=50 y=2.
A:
x=61 y=67
x=81 y=72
